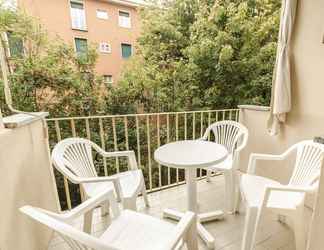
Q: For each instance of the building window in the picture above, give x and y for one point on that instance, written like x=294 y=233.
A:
x=81 y=45
x=124 y=19
x=126 y=50
x=108 y=79
x=78 y=15
x=104 y=47
x=102 y=14
x=15 y=45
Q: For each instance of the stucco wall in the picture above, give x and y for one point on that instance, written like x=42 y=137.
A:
x=26 y=178
x=56 y=19
x=306 y=119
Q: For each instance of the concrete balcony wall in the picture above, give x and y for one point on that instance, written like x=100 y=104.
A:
x=306 y=120
x=26 y=178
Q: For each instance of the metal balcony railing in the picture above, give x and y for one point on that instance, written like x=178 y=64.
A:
x=142 y=133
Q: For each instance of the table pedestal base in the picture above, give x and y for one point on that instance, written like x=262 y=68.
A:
x=203 y=217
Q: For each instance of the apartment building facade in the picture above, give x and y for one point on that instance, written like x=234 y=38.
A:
x=111 y=25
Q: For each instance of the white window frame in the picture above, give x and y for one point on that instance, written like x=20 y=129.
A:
x=104 y=44
x=109 y=82
x=75 y=25
x=98 y=11
x=121 y=19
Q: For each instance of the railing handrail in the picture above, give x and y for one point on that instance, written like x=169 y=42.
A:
x=140 y=114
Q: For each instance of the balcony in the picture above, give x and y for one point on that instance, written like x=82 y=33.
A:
x=227 y=232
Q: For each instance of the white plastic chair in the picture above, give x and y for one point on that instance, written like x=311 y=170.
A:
x=73 y=158
x=262 y=194
x=129 y=230
x=233 y=136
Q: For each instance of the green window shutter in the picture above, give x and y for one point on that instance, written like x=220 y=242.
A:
x=81 y=45
x=126 y=50
x=16 y=45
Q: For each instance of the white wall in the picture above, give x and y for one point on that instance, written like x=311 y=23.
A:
x=26 y=178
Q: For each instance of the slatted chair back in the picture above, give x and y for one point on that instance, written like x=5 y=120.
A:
x=308 y=163
x=230 y=134
x=73 y=157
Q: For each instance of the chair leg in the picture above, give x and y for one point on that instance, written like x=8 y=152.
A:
x=251 y=222
x=209 y=172
x=237 y=194
x=299 y=229
x=87 y=222
x=145 y=197
x=229 y=192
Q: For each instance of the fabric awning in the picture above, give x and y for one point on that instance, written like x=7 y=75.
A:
x=281 y=82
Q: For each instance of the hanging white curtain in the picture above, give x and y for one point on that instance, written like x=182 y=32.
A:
x=281 y=82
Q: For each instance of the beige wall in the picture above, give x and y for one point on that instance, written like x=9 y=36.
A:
x=306 y=119
x=55 y=16
x=26 y=178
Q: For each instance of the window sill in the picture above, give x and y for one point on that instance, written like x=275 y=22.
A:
x=82 y=30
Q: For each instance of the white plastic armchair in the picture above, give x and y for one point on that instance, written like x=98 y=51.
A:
x=73 y=158
x=128 y=230
x=262 y=194
x=234 y=137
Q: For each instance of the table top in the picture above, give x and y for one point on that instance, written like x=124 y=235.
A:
x=190 y=153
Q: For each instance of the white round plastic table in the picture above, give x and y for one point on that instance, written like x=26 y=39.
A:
x=190 y=155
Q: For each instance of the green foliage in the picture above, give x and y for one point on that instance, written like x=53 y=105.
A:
x=49 y=75
x=205 y=54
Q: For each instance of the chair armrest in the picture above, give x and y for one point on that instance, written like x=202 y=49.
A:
x=84 y=207
x=129 y=154
x=289 y=188
x=267 y=157
x=181 y=229
x=80 y=180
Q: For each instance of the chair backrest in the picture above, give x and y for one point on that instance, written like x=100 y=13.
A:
x=76 y=239
x=308 y=163
x=73 y=157
x=228 y=134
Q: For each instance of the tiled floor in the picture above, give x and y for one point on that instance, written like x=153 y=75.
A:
x=228 y=232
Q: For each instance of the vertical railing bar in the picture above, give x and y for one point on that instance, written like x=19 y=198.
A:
x=126 y=132
x=103 y=145
x=216 y=116
x=58 y=131
x=224 y=115
x=237 y=115
x=65 y=181
x=158 y=144
x=177 y=138
x=138 y=141
x=72 y=123
x=113 y=120
x=193 y=126
x=88 y=129
x=201 y=134
x=209 y=122
x=168 y=140
x=230 y=115
x=185 y=124
x=149 y=150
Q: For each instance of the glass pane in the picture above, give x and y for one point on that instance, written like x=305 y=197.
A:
x=81 y=45
x=77 y=5
x=126 y=50
x=124 y=14
x=16 y=46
